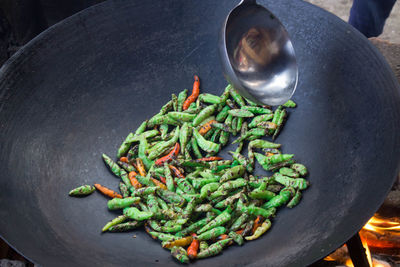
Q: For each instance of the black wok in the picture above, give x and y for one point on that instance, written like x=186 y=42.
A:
x=79 y=88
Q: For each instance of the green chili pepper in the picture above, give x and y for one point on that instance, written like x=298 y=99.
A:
x=266 y=213
x=236 y=237
x=144 y=191
x=205 y=113
x=114 y=168
x=279 y=124
x=167 y=107
x=261 y=118
x=232 y=184
x=298 y=183
x=204 y=144
x=241 y=113
x=228 y=201
x=165 y=146
x=289 y=172
x=171 y=197
x=180 y=254
x=237 y=97
x=187 y=212
x=208 y=189
x=125 y=179
x=162 y=119
x=248 y=228
x=152 y=204
x=277 y=200
x=261 y=193
x=182 y=116
x=195 y=226
x=210 y=98
x=221 y=219
x=181 y=98
x=215 y=135
x=117 y=220
x=184 y=136
x=221 y=116
x=260 y=230
x=203 y=245
x=83 y=190
x=132 y=153
x=185 y=186
x=136 y=214
x=255 y=132
x=195 y=148
x=120 y=203
x=168 y=177
x=262 y=144
x=126 y=166
x=232 y=173
x=290 y=104
x=200 y=182
x=203 y=208
x=212 y=233
x=163 y=236
x=300 y=168
x=143 y=147
x=155 y=225
x=257 y=110
x=239 y=222
x=214 y=249
x=123 y=227
x=295 y=200
x=224 y=138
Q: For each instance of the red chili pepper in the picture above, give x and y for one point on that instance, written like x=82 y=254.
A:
x=176 y=171
x=209 y=159
x=193 y=248
x=163 y=179
x=194 y=95
x=174 y=152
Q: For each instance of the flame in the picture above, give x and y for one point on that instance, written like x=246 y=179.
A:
x=378 y=225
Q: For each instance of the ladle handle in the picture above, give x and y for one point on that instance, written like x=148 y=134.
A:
x=247 y=2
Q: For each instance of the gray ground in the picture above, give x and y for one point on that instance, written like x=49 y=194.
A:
x=341 y=8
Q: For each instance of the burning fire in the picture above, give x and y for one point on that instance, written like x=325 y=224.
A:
x=379 y=235
x=382 y=233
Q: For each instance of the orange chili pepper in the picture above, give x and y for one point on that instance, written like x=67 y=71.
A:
x=176 y=171
x=194 y=95
x=193 y=248
x=209 y=159
x=257 y=222
x=106 y=191
x=159 y=184
x=124 y=159
x=268 y=154
x=239 y=232
x=206 y=127
x=140 y=167
x=174 y=152
x=133 y=180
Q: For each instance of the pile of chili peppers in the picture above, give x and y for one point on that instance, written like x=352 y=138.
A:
x=195 y=202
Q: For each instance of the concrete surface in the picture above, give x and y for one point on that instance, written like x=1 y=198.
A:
x=341 y=8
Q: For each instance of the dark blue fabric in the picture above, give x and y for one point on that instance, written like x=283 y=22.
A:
x=369 y=16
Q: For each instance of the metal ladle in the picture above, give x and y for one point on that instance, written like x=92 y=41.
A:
x=257 y=55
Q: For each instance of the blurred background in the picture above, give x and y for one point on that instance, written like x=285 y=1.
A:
x=22 y=20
